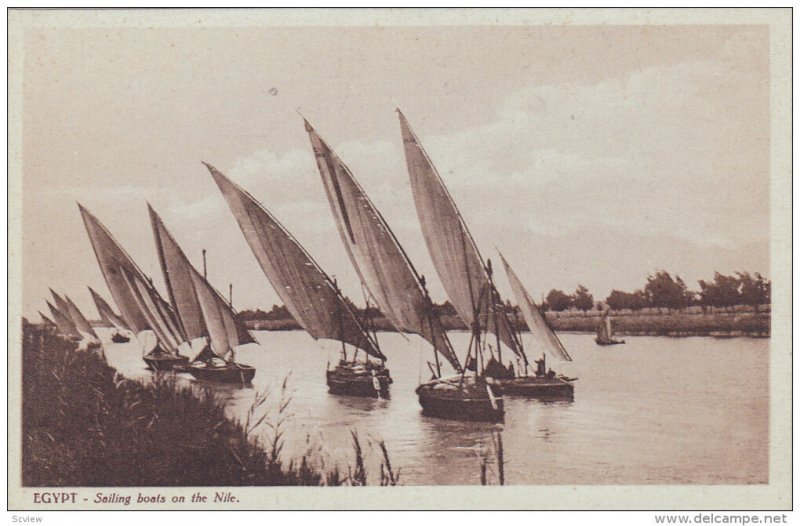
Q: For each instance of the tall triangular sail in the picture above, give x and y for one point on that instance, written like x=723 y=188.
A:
x=45 y=319
x=219 y=332
x=544 y=338
x=148 y=304
x=182 y=285
x=178 y=277
x=381 y=263
x=453 y=251
x=78 y=319
x=62 y=321
x=308 y=293
x=107 y=315
x=61 y=305
x=112 y=258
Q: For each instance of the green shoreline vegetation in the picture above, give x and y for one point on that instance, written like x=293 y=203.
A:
x=85 y=425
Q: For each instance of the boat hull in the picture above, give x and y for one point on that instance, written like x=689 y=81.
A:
x=166 y=362
x=538 y=387
x=598 y=341
x=347 y=380
x=469 y=402
x=230 y=374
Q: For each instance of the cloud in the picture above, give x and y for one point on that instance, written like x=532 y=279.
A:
x=654 y=151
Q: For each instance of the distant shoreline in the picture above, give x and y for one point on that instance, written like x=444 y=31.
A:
x=737 y=321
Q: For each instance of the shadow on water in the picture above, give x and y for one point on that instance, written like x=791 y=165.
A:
x=654 y=410
x=362 y=405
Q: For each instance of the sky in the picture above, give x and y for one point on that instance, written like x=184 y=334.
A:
x=585 y=154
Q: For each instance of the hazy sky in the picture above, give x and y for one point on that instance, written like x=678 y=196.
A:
x=593 y=154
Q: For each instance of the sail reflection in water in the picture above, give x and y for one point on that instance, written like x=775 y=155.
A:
x=630 y=425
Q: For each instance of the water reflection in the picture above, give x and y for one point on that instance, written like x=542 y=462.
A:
x=629 y=422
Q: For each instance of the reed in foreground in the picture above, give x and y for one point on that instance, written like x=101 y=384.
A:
x=85 y=425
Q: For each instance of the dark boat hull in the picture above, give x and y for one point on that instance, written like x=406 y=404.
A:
x=598 y=341
x=231 y=374
x=346 y=381
x=471 y=402
x=166 y=362
x=538 y=387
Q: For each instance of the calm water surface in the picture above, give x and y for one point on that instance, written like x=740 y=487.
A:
x=656 y=410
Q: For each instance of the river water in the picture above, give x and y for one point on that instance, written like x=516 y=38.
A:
x=654 y=411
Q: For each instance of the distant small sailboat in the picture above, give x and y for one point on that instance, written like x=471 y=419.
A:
x=120 y=333
x=140 y=305
x=310 y=295
x=202 y=312
x=63 y=323
x=47 y=322
x=542 y=383
x=87 y=338
x=605 y=332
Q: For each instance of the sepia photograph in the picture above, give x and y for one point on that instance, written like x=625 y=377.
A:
x=259 y=254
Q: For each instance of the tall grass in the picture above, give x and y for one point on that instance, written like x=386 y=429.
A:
x=85 y=425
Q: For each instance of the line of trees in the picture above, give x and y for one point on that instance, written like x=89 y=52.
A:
x=280 y=312
x=662 y=290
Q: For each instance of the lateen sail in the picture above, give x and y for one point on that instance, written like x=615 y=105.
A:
x=107 y=314
x=381 y=263
x=45 y=319
x=542 y=335
x=605 y=332
x=61 y=305
x=182 y=284
x=63 y=323
x=453 y=251
x=305 y=289
x=148 y=303
x=178 y=277
x=213 y=315
x=78 y=319
x=111 y=257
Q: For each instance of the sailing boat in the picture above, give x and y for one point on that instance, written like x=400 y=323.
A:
x=543 y=383
x=82 y=329
x=46 y=322
x=109 y=319
x=310 y=295
x=605 y=333
x=399 y=291
x=63 y=323
x=202 y=313
x=467 y=280
x=140 y=305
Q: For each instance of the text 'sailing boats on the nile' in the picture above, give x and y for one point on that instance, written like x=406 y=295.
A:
x=143 y=310
x=467 y=280
x=544 y=382
x=605 y=332
x=120 y=333
x=312 y=298
x=204 y=317
x=400 y=292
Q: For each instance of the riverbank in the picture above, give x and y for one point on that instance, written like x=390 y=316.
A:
x=717 y=322
x=85 y=425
